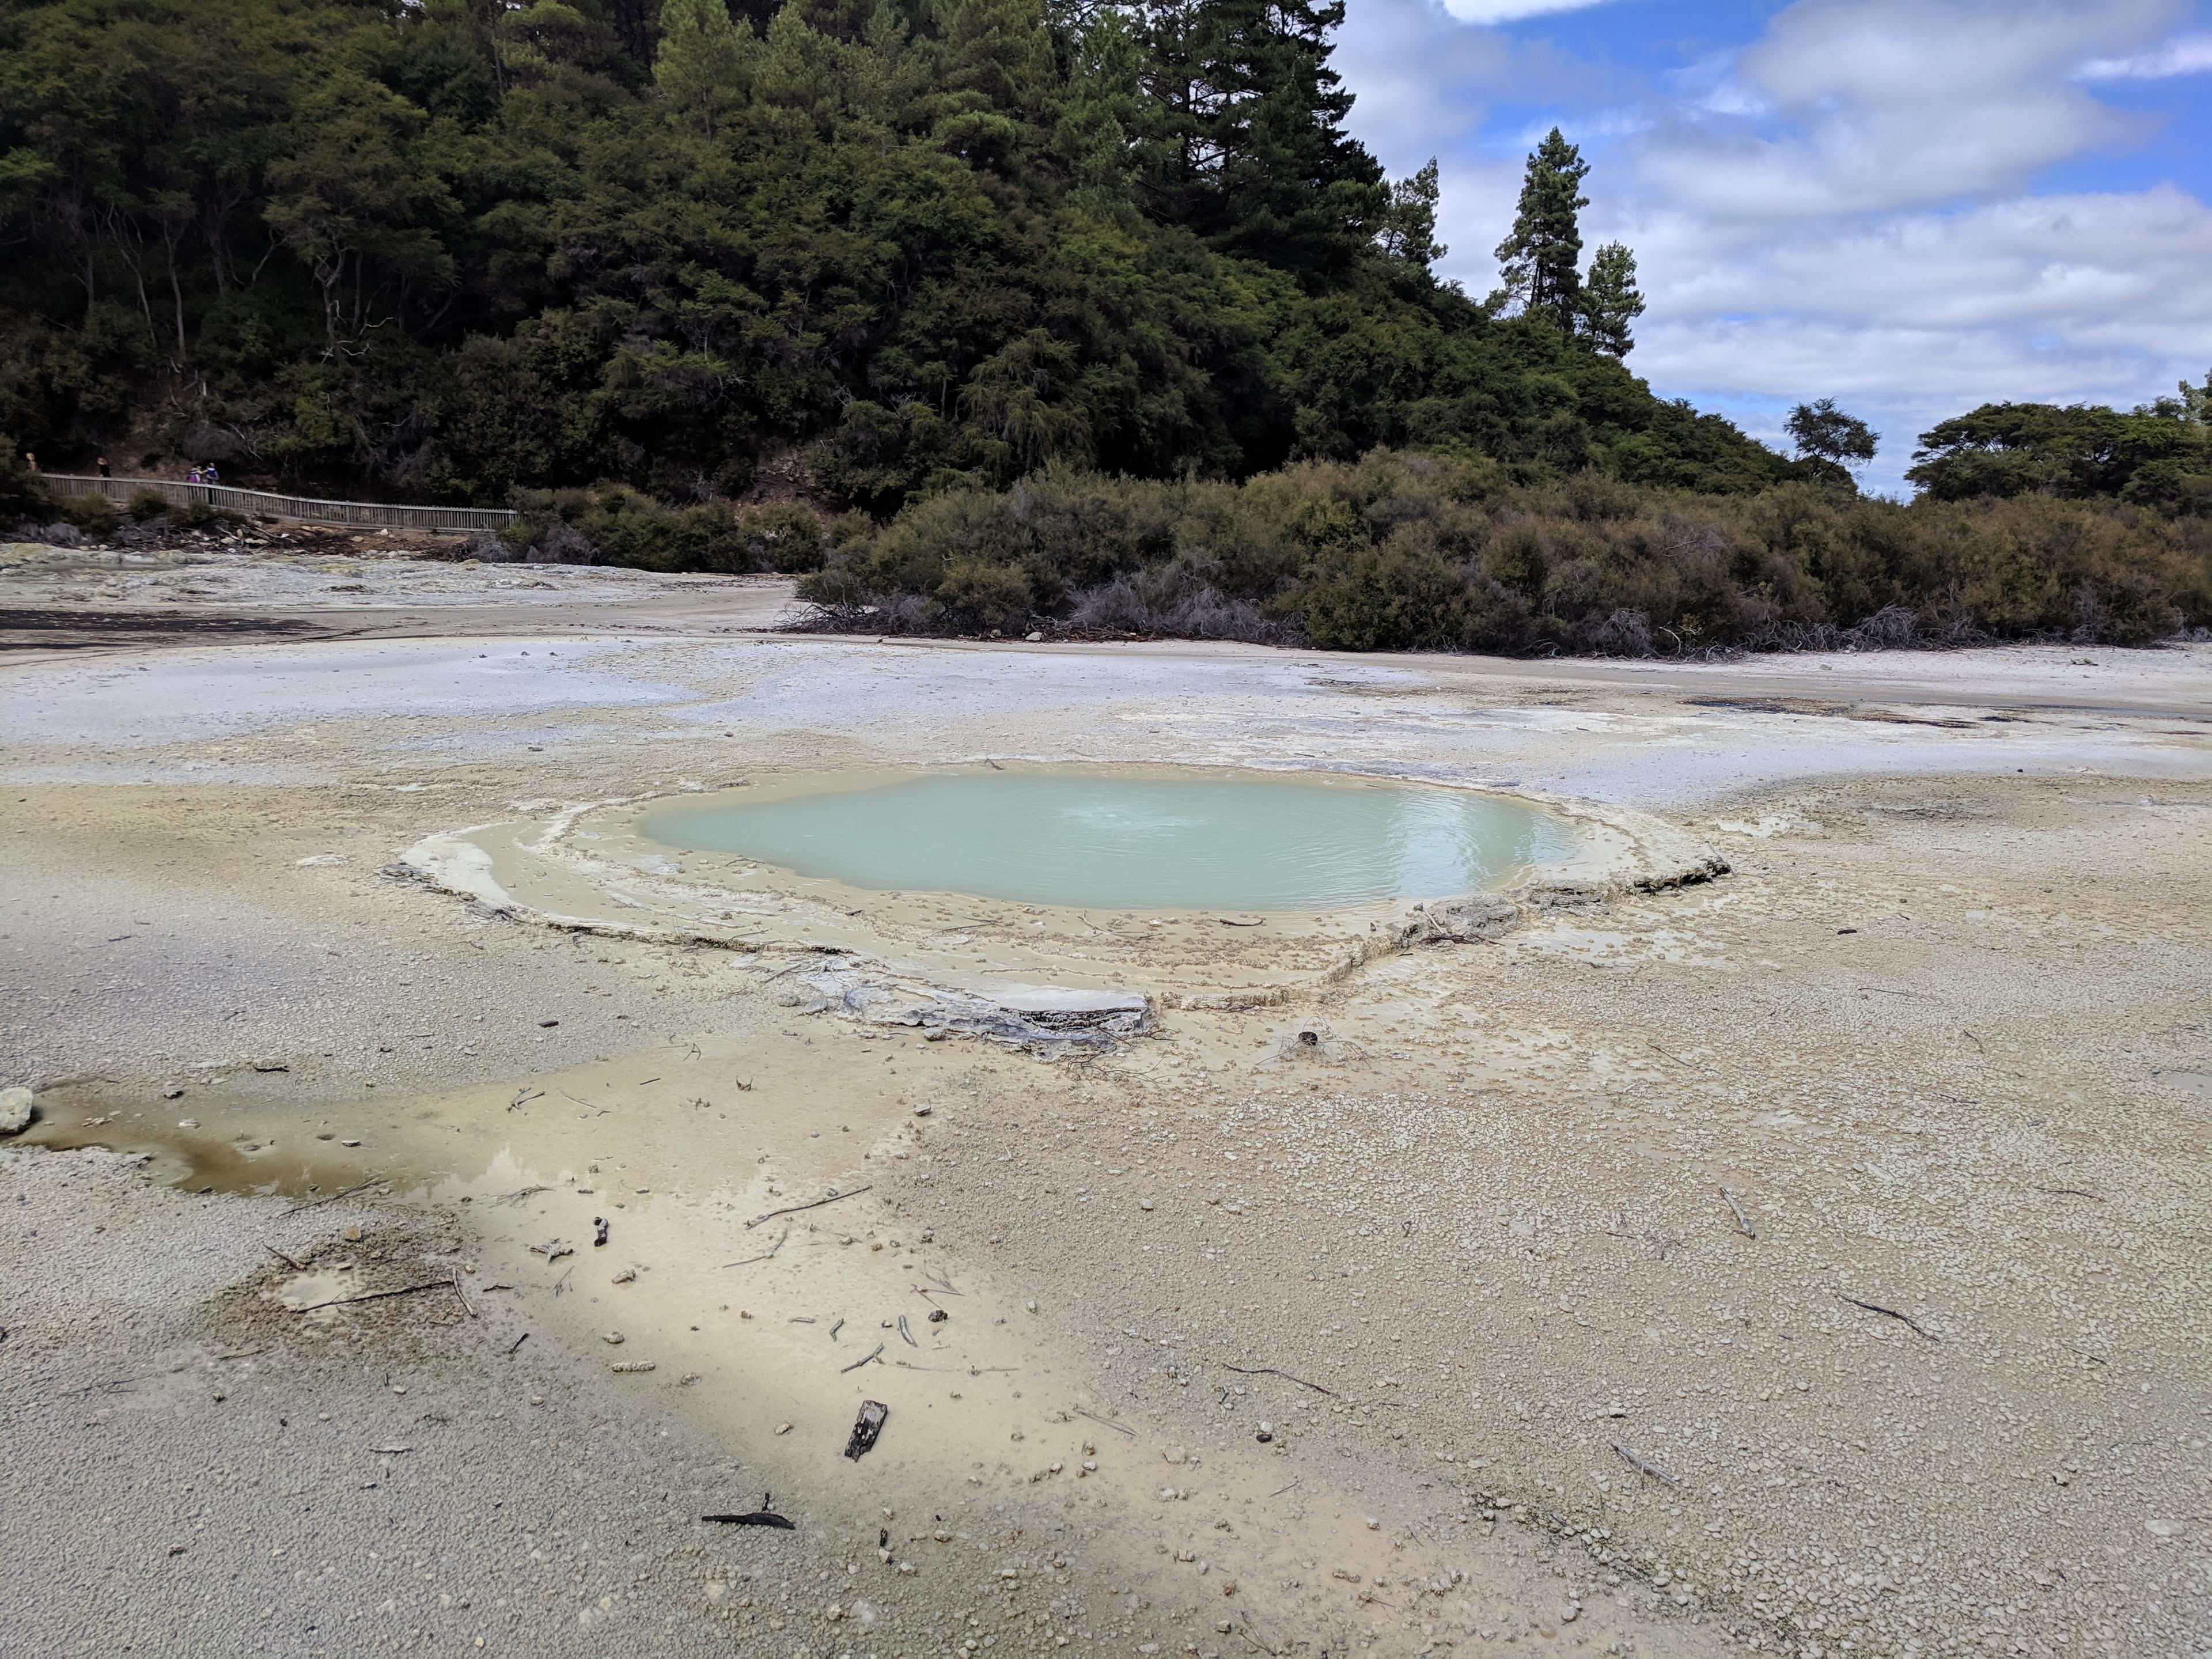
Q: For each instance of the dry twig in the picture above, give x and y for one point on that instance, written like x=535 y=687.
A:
x=764 y=1255
x=378 y=1296
x=1906 y=1320
x=1269 y=1370
x=1742 y=1221
x=1643 y=1466
x=877 y=1354
x=316 y=1203
x=794 y=1209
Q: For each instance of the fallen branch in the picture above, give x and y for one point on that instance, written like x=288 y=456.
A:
x=1742 y=1221
x=378 y=1296
x=757 y=1518
x=1642 y=1465
x=794 y=1209
x=1907 y=1319
x=293 y=1262
x=857 y=1363
x=516 y=1343
x=763 y=1256
x=314 y=1203
x=1269 y=1370
x=1105 y=1422
x=2071 y=1192
x=462 y=1296
x=112 y=1384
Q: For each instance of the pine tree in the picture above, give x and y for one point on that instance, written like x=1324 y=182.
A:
x=1610 y=302
x=2197 y=401
x=1246 y=143
x=702 y=67
x=1409 y=223
x=1823 y=432
x=1540 y=262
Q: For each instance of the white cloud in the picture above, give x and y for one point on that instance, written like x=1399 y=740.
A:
x=1911 y=317
x=1849 y=205
x=1510 y=11
x=1424 y=83
x=2188 y=54
x=1874 y=104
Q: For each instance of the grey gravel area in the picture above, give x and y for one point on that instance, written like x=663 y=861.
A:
x=214 y=1474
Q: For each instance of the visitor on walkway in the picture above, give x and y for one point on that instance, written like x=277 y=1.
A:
x=192 y=477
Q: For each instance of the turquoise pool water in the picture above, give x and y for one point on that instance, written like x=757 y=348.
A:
x=1099 y=839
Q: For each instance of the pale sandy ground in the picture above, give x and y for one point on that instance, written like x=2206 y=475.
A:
x=1461 y=1246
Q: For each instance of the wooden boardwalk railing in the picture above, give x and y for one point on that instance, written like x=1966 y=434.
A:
x=305 y=508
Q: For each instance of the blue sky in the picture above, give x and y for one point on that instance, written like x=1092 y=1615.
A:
x=1914 y=206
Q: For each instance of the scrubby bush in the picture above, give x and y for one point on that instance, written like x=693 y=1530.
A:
x=1403 y=552
x=617 y=525
x=198 y=515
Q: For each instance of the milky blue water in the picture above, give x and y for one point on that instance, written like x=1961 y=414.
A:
x=1098 y=839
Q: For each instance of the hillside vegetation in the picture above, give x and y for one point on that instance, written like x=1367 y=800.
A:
x=444 y=250
x=983 y=313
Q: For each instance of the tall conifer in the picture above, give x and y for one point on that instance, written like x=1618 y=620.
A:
x=1609 y=301
x=1540 y=261
x=1248 y=146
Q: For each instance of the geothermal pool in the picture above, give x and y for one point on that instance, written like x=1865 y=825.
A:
x=1083 y=838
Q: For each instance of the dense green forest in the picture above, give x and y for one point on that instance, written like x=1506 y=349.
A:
x=984 y=314
x=888 y=247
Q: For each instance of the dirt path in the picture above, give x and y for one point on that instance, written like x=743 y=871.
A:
x=1471 y=1259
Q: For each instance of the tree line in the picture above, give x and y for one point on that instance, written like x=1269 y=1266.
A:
x=449 y=248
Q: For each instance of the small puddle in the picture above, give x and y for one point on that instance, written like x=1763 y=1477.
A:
x=1079 y=838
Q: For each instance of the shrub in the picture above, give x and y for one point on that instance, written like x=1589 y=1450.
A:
x=93 y=514
x=616 y=524
x=976 y=596
x=1390 y=598
x=1403 y=552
